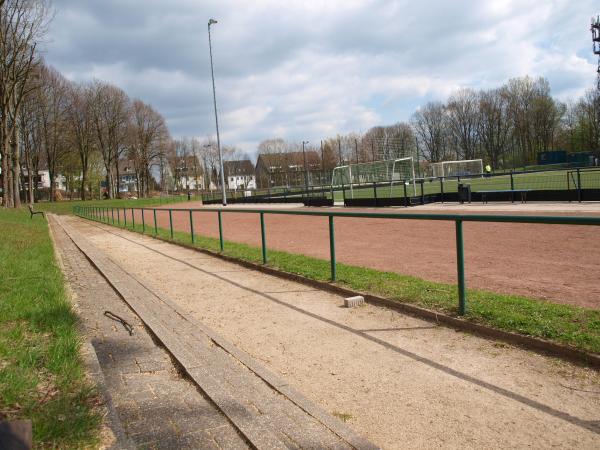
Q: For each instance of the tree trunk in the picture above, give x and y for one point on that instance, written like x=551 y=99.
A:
x=118 y=181
x=84 y=171
x=30 y=183
x=52 y=187
x=16 y=168
x=4 y=152
x=9 y=191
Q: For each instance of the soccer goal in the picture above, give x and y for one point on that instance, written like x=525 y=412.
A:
x=391 y=170
x=456 y=168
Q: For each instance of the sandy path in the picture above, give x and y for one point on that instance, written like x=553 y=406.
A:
x=401 y=382
x=553 y=262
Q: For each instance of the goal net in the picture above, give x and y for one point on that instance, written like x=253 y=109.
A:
x=456 y=168
x=391 y=170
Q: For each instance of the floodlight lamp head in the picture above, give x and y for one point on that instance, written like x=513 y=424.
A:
x=211 y=22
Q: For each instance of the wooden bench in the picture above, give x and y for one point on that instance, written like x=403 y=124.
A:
x=33 y=213
x=512 y=193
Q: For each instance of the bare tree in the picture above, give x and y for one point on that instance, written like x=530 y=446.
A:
x=22 y=23
x=81 y=128
x=110 y=115
x=148 y=133
x=430 y=125
x=493 y=124
x=53 y=106
x=463 y=115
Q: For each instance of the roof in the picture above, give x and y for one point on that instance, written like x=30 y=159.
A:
x=126 y=166
x=288 y=161
x=241 y=167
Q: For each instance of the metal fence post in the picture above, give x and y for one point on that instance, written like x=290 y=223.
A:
x=375 y=192
x=155 y=224
x=512 y=182
x=125 y=217
x=171 y=222
x=118 y=216
x=263 y=237
x=460 y=263
x=143 y=222
x=578 y=185
x=192 y=226
x=112 y=213
x=220 y=230
x=133 y=219
x=332 y=248
x=405 y=194
x=442 y=188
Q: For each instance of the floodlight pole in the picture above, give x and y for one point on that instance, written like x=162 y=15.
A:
x=305 y=167
x=212 y=73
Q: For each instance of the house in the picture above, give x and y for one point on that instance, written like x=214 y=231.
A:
x=188 y=173
x=285 y=169
x=43 y=180
x=127 y=176
x=239 y=174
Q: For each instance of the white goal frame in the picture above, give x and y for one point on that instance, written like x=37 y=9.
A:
x=392 y=176
x=435 y=167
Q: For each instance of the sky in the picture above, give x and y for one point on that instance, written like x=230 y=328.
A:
x=308 y=70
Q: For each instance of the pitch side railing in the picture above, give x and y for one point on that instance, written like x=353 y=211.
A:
x=118 y=216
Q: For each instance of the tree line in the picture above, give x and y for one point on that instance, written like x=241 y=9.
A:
x=80 y=130
x=83 y=131
x=506 y=127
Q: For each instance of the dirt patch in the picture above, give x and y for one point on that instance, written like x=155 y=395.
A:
x=559 y=263
x=401 y=381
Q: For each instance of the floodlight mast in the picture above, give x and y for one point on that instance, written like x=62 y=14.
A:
x=212 y=73
x=305 y=166
x=596 y=44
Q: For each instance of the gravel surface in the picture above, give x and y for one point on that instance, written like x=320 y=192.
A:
x=400 y=381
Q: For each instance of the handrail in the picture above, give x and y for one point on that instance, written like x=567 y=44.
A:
x=557 y=220
x=101 y=214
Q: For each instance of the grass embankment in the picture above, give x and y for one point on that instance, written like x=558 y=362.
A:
x=66 y=206
x=564 y=324
x=41 y=376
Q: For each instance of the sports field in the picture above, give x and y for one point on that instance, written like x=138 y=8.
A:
x=558 y=263
x=548 y=180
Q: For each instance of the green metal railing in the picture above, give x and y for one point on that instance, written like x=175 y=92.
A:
x=102 y=215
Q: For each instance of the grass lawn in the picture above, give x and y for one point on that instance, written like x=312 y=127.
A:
x=41 y=375
x=564 y=324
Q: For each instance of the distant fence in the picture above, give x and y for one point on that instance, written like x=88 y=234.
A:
x=577 y=184
x=118 y=216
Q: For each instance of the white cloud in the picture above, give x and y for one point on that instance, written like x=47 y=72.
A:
x=311 y=69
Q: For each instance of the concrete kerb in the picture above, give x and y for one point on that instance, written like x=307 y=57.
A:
x=94 y=370
x=332 y=423
x=527 y=342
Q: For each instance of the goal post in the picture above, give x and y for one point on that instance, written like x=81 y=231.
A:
x=391 y=170
x=456 y=168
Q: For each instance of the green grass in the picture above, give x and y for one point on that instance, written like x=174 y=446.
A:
x=590 y=179
x=564 y=324
x=41 y=375
x=66 y=207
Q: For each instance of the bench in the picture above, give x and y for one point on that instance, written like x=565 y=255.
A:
x=512 y=192
x=32 y=212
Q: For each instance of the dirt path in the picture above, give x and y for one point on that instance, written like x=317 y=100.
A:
x=559 y=263
x=401 y=382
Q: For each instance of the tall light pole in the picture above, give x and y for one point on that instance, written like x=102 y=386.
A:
x=305 y=167
x=212 y=72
